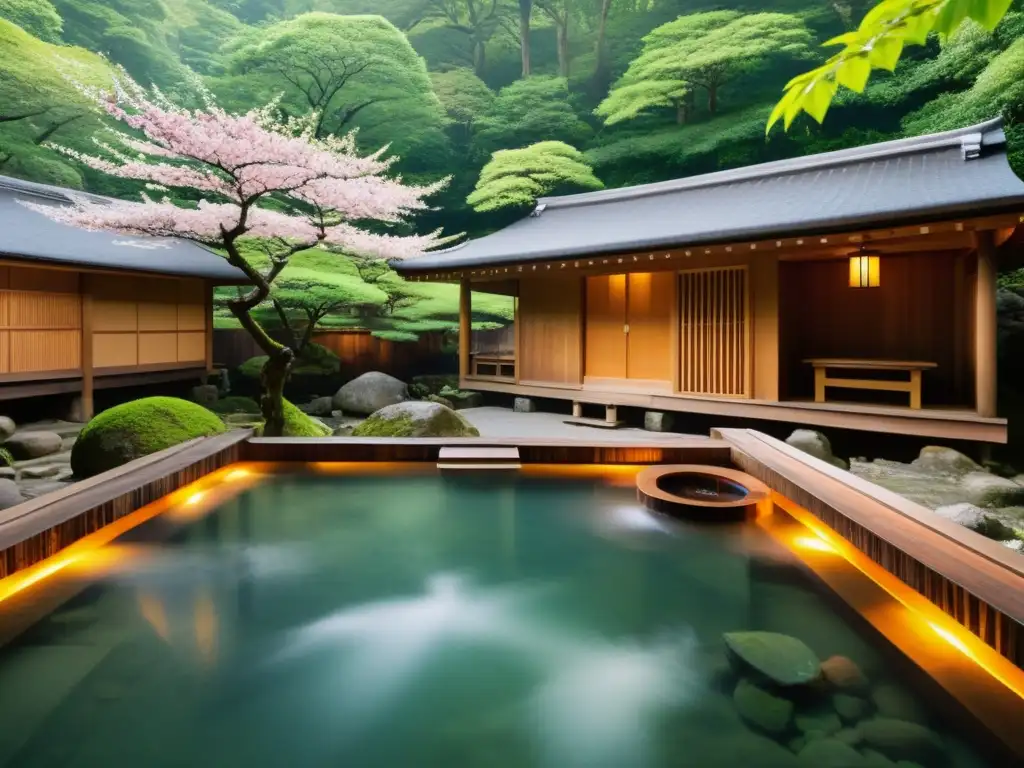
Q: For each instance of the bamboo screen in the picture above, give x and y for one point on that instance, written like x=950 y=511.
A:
x=715 y=332
x=40 y=321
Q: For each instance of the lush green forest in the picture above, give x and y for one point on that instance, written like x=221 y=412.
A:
x=620 y=92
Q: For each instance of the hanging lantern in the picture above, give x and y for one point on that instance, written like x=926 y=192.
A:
x=864 y=269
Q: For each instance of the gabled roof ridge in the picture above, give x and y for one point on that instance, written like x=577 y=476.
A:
x=988 y=133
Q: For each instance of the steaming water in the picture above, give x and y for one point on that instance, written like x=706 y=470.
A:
x=413 y=622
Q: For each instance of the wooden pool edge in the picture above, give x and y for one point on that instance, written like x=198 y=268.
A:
x=975 y=581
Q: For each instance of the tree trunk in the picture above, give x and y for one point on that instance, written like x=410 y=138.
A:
x=562 y=31
x=525 y=9
x=682 y=113
x=479 y=58
x=601 y=79
x=272 y=380
x=712 y=98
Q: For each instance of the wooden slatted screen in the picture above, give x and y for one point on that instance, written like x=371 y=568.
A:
x=715 y=332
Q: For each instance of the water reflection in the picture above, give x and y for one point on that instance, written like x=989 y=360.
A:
x=596 y=702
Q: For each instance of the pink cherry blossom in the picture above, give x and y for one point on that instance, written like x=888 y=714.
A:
x=263 y=177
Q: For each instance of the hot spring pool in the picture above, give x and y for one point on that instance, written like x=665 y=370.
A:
x=416 y=620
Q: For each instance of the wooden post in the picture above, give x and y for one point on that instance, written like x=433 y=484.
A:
x=517 y=336
x=465 y=326
x=208 y=320
x=88 y=408
x=577 y=410
x=985 y=325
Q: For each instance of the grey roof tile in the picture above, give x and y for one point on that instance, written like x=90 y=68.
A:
x=952 y=173
x=26 y=234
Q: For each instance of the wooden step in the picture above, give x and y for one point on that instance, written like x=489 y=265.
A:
x=478 y=457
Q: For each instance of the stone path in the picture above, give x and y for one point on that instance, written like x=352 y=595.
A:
x=34 y=477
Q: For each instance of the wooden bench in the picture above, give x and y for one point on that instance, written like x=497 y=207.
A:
x=913 y=386
x=494 y=366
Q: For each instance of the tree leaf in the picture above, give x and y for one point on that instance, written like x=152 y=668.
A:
x=989 y=13
x=817 y=100
x=886 y=52
x=779 y=110
x=917 y=28
x=853 y=73
x=952 y=15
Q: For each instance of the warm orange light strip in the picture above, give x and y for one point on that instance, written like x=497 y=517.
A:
x=823 y=541
x=96 y=551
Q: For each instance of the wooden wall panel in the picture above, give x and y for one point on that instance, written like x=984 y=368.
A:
x=605 y=327
x=42 y=311
x=5 y=277
x=114 y=315
x=649 y=315
x=715 y=334
x=154 y=316
x=910 y=316
x=115 y=350
x=5 y=352
x=158 y=348
x=764 y=308
x=45 y=351
x=191 y=317
x=550 y=330
x=42 y=280
x=191 y=347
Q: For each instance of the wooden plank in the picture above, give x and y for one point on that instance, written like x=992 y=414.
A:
x=873 y=365
x=465 y=326
x=482 y=453
x=208 y=324
x=934 y=556
x=877 y=384
x=949 y=424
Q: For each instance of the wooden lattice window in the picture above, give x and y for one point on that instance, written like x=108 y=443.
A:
x=715 y=335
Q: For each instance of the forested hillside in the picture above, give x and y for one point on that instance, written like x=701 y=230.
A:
x=643 y=89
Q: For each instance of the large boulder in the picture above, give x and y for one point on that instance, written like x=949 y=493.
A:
x=321 y=406
x=138 y=428
x=936 y=458
x=10 y=494
x=976 y=519
x=817 y=445
x=415 y=419
x=844 y=674
x=7 y=427
x=205 y=394
x=369 y=393
x=782 y=659
x=32 y=445
x=986 y=490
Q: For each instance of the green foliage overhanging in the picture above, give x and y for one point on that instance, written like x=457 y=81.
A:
x=878 y=43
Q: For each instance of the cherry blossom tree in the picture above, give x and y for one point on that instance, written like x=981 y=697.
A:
x=259 y=177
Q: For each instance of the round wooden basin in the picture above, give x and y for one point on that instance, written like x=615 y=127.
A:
x=700 y=492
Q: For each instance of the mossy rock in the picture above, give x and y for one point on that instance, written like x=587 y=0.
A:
x=138 y=428
x=461 y=399
x=298 y=424
x=781 y=659
x=235 y=404
x=761 y=708
x=415 y=419
x=6 y=459
x=439 y=399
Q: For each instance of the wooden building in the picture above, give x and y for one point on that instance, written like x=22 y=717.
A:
x=851 y=289
x=93 y=310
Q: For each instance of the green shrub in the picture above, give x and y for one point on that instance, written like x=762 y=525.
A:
x=138 y=428
x=235 y=404
x=315 y=360
x=6 y=459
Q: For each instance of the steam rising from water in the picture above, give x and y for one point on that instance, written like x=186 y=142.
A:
x=173 y=567
x=594 y=709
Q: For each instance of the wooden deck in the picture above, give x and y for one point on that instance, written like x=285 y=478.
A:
x=949 y=424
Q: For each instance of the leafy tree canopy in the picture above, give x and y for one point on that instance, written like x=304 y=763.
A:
x=355 y=71
x=463 y=95
x=702 y=50
x=36 y=16
x=878 y=43
x=530 y=110
x=515 y=178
